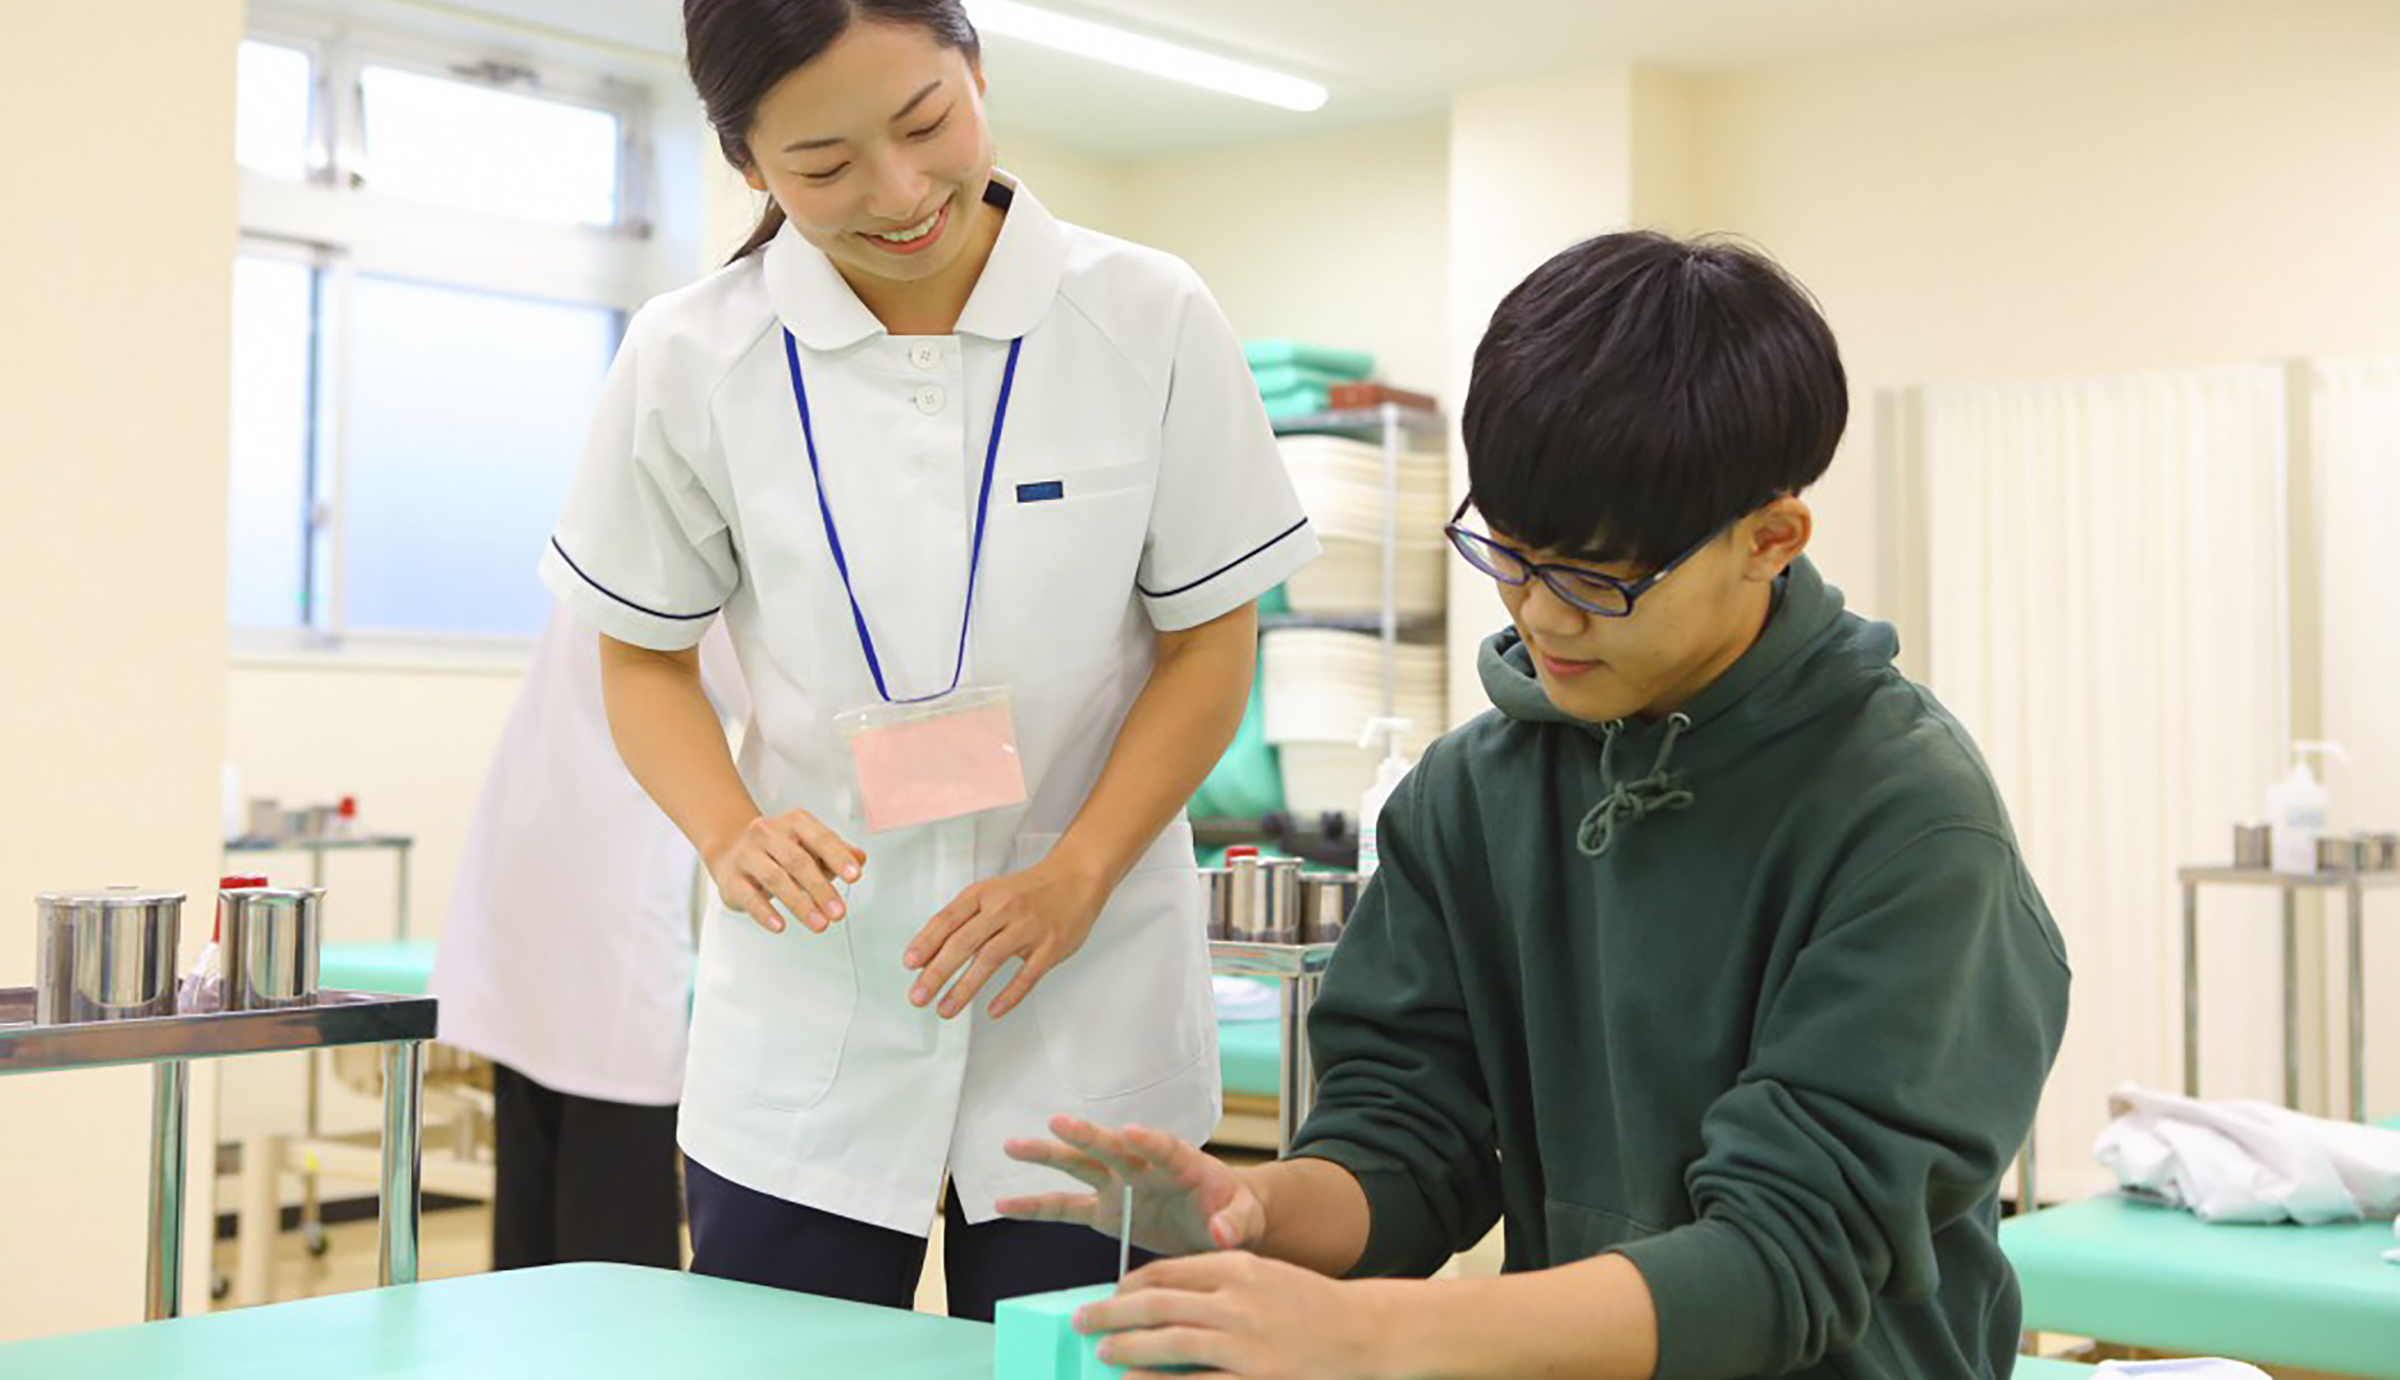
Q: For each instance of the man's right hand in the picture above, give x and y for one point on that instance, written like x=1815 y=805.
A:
x=1184 y=1201
x=790 y=858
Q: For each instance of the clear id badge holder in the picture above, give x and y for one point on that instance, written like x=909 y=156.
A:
x=924 y=761
x=937 y=757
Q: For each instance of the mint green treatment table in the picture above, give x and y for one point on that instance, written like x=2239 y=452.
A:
x=402 y=967
x=2129 y=1272
x=588 y=1322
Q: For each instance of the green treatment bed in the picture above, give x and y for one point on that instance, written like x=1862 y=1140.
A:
x=592 y=1322
x=2129 y=1272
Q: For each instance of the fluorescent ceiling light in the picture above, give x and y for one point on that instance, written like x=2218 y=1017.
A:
x=1156 y=57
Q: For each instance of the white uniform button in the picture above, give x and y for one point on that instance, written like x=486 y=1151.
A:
x=925 y=355
x=929 y=400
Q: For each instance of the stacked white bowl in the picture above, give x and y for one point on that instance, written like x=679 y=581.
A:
x=1340 y=483
x=1321 y=687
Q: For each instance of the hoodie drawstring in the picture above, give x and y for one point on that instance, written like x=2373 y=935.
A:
x=1629 y=801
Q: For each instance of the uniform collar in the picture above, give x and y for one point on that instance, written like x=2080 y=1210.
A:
x=1019 y=281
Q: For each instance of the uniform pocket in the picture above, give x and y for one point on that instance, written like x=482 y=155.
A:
x=1037 y=491
x=1128 y=1010
x=780 y=1006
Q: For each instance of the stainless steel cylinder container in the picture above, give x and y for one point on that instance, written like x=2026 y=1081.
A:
x=1263 y=900
x=1216 y=899
x=2253 y=846
x=106 y=955
x=2381 y=853
x=273 y=939
x=2342 y=854
x=1326 y=900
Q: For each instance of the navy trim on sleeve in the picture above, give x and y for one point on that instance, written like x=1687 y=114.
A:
x=1262 y=549
x=637 y=608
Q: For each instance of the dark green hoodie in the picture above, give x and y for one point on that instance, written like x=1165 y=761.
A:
x=1759 y=996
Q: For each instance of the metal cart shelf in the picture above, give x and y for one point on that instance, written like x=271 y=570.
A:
x=2353 y=885
x=401 y=1025
x=1298 y=969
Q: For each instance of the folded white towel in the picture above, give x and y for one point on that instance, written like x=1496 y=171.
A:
x=1240 y=999
x=2249 y=1161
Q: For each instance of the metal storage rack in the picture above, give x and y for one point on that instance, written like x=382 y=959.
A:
x=2353 y=885
x=401 y=1025
x=1391 y=424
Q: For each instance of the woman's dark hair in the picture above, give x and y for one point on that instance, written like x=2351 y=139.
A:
x=737 y=50
x=1638 y=392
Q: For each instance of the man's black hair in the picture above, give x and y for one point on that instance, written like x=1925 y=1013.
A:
x=1639 y=392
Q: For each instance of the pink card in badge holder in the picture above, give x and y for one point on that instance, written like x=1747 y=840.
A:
x=927 y=762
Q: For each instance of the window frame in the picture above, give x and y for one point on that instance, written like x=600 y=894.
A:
x=334 y=219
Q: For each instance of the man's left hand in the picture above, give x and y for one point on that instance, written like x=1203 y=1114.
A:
x=1233 y=1313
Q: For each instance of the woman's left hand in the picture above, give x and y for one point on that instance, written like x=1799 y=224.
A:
x=1039 y=916
x=1233 y=1313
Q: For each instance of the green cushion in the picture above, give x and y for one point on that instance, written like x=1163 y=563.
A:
x=1295 y=402
x=1248 y=780
x=591 y=1322
x=399 y=969
x=1271 y=354
x=1283 y=378
x=2124 y=1271
x=1250 y=1054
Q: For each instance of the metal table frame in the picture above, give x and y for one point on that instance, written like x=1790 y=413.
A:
x=1299 y=970
x=401 y=1025
x=312 y=1221
x=2353 y=885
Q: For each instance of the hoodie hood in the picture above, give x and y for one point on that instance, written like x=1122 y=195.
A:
x=1763 y=693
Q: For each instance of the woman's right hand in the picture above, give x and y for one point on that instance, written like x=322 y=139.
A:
x=790 y=858
x=1184 y=1201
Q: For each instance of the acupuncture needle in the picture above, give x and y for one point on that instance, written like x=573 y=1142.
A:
x=1125 y=1233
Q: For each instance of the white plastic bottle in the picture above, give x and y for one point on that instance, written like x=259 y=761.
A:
x=1387 y=777
x=2296 y=810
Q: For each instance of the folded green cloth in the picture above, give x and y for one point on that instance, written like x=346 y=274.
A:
x=1283 y=378
x=1248 y=780
x=1344 y=364
x=1295 y=402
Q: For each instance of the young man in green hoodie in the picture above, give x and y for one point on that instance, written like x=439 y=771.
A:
x=1706 y=961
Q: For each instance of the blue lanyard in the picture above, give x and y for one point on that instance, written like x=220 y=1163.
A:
x=983 y=510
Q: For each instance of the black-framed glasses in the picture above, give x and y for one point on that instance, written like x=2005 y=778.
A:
x=1605 y=596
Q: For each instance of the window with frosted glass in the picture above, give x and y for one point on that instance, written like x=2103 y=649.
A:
x=468 y=145
x=268 y=500
x=275 y=100
x=465 y=416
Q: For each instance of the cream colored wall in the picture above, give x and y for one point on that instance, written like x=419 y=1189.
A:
x=1535 y=167
x=1077 y=187
x=116 y=131
x=1341 y=239
x=2203 y=186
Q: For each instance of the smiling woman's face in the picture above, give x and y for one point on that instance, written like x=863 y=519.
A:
x=878 y=153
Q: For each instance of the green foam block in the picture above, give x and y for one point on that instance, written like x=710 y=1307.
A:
x=1035 y=1337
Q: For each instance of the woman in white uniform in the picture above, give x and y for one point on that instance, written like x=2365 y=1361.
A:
x=566 y=960
x=985 y=501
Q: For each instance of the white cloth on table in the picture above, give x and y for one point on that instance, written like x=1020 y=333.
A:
x=2196 y=1367
x=2249 y=1161
x=1240 y=999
